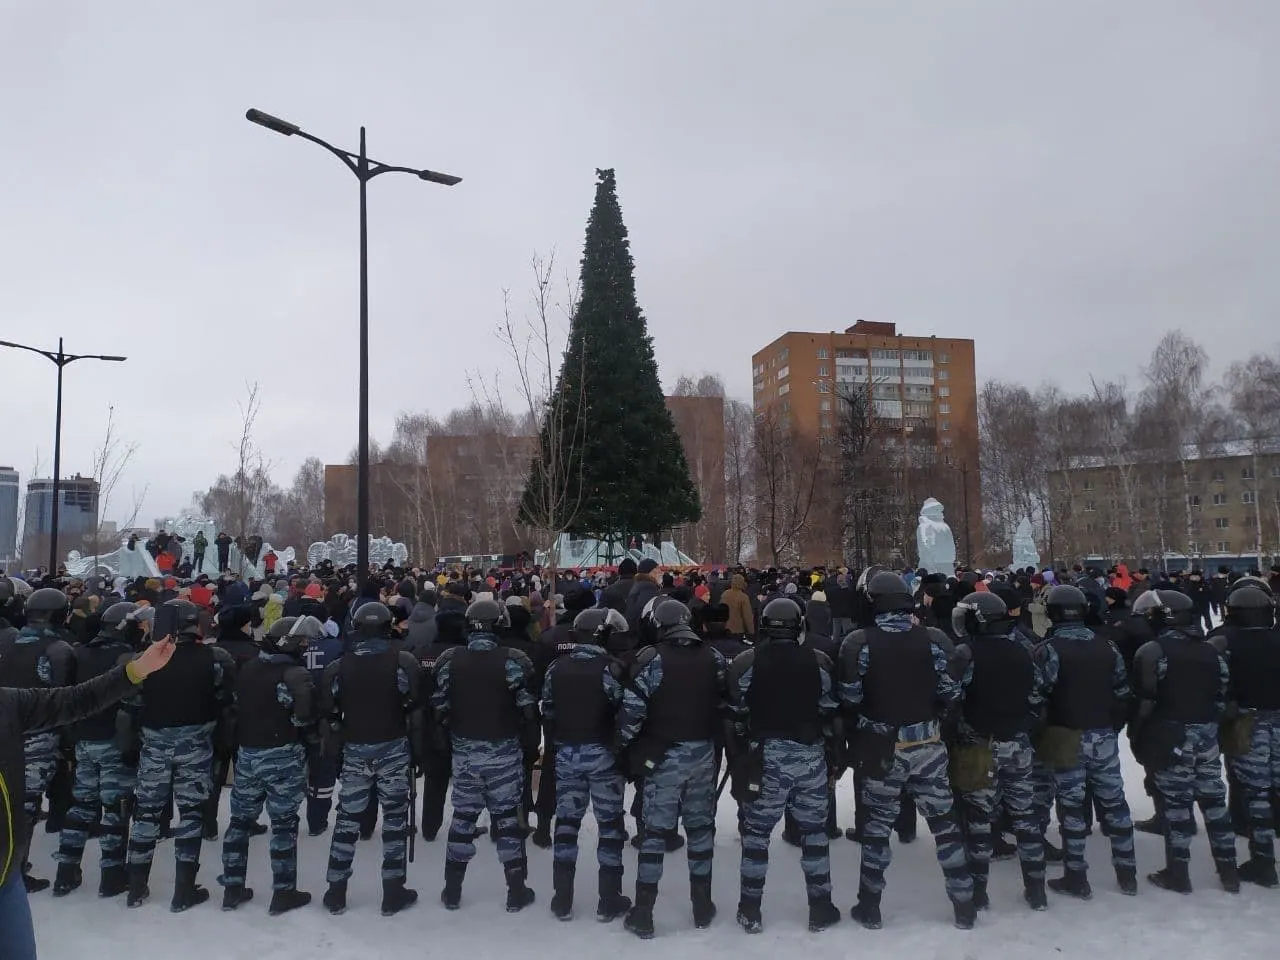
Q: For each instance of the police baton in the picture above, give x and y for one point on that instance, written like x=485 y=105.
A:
x=413 y=812
x=723 y=780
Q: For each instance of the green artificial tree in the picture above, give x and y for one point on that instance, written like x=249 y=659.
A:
x=610 y=462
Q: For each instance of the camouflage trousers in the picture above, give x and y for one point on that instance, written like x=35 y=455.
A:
x=682 y=786
x=920 y=771
x=1258 y=773
x=1196 y=778
x=1013 y=789
x=795 y=782
x=586 y=773
x=174 y=762
x=40 y=756
x=276 y=777
x=487 y=775
x=102 y=796
x=370 y=769
x=1098 y=770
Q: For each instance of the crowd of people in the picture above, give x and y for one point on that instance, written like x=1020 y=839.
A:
x=984 y=702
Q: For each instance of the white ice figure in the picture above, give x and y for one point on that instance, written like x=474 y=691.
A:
x=121 y=562
x=936 y=545
x=340 y=550
x=1025 y=553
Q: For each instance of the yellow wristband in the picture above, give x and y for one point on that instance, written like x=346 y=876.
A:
x=131 y=671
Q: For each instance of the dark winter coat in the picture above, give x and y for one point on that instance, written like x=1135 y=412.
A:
x=614 y=596
x=420 y=629
x=642 y=591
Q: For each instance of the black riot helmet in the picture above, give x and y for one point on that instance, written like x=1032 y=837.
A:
x=47 y=607
x=186 y=618
x=485 y=616
x=291 y=634
x=980 y=615
x=1066 y=604
x=372 y=620
x=121 y=620
x=781 y=619
x=597 y=625
x=1171 y=608
x=889 y=593
x=670 y=614
x=1251 y=609
x=1251 y=581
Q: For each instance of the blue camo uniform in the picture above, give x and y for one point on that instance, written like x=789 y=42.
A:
x=894 y=678
x=782 y=695
x=671 y=716
x=1087 y=690
x=1250 y=642
x=482 y=698
x=1182 y=682
x=1001 y=698
x=369 y=696
x=37 y=657
x=322 y=771
x=276 y=709
x=581 y=695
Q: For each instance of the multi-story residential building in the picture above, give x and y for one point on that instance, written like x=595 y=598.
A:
x=8 y=517
x=77 y=517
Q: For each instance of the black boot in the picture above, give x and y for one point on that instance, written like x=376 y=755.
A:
x=966 y=914
x=256 y=829
x=519 y=896
x=867 y=910
x=822 y=914
x=34 y=884
x=282 y=901
x=113 y=883
x=1173 y=877
x=980 y=899
x=1002 y=848
x=1156 y=826
x=1073 y=883
x=749 y=918
x=612 y=903
x=562 y=875
x=454 y=874
x=1229 y=876
x=1127 y=878
x=704 y=911
x=1261 y=872
x=674 y=841
x=640 y=917
x=232 y=897
x=396 y=897
x=335 y=898
x=139 y=873
x=67 y=879
x=186 y=892
x=1033 y=893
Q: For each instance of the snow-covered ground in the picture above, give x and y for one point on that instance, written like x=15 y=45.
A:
x=1208 y=925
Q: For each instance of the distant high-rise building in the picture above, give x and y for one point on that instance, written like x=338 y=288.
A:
x=77 y=517
x=8 y=517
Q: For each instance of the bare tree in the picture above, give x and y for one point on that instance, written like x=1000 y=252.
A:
x=788 y=466
x=740 y=477
x=299 y=521
x=110 y=460
x=1254 y=388
x=247 y=501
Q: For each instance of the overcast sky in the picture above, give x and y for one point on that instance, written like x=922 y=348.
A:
x=1061 y=181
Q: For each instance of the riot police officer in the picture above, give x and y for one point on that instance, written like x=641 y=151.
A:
x=184 y=709
x=322 y=770
x=894 y=682
x=371 y=700
x=482 y=700
x=276 y=712
x=671 y=715
x=1250 y=642
x=1088 y=697
x=580 y=698
x=37 y=656
x=105 y=775
x=784 y=702
x=1001 y=696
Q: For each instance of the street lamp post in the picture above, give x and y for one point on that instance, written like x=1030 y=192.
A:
x=60 y=359
x=364 y=170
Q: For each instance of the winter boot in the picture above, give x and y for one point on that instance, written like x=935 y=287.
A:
x=1033 y=893
x=867 y=910
x=640 y=917
x=335 y=898
x=966 y=914
x=454 y=874
x=232 y=897
x=1002 y=848
x=980 y=899
x=186 y=892
x=68 y=878
x=704 y=911
x=562 y=875
x=139 y=873
x=612 y=903
x=822 y=914
x=1173 y=877
x=749 y=916
x=1073 y=883
x=1229 y=876
x=258 y=829
x=1261 y=872
x=33 y=884
x=1156 y=826
x=282 y=901
x=1127 y=878
x=113 y=882
x=396 y=896
x=518 y=895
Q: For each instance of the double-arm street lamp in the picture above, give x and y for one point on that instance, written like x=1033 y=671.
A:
x=364 y=170
x=60 y=359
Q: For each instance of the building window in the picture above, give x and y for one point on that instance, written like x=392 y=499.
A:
x=944 y=391
x=1219 y=499
x=920 y=356
x=944 y=374
x=824 y=405
x=849 y=355
x=1222 y=523
x=1246 y=473
x=1275 y=472
x=1193 y=501
x=824 y=421
x=879 y=354
x=784 y=372
x=786 y=352
x=784 y=389
x=1087 y=486
x=1090 y=527
x=824 y=353
x=946 y=424
x=1224 y=546
x=947 y=442
x=1193 y=547
x=1219 y=476
x=1090 y=506
x=824 y=386
x=824 y=371
x=944 y=408
x=944 y=358
x=1248 y=496
x=1193 y=477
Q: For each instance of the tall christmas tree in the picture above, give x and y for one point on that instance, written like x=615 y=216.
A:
x=610 y=463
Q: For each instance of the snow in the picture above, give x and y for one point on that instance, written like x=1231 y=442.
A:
x=1208 y=925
